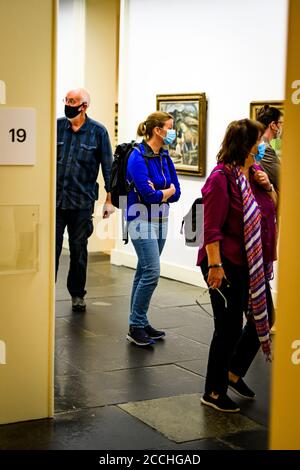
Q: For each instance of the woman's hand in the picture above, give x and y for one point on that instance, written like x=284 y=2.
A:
x=262 y=179
x=168 y=192
x=173 y=189
x=215 y=277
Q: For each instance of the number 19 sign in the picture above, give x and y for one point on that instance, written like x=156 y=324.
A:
x=17 y=136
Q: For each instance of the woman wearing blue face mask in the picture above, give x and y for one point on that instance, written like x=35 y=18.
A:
x=154 y=185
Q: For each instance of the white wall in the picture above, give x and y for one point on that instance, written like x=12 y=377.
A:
x=70 y=49
x=70 y=54
x=233 y=51
x=87 y=46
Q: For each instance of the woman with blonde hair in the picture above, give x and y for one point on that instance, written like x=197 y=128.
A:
x=154 y=185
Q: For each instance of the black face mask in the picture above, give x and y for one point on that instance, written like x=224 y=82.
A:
x=72 y=111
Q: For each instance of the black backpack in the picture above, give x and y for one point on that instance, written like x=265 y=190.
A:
x=192 y=224
x=119 y=185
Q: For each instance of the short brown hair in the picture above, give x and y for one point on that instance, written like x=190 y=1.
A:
x=157 y=119
x=239 y=139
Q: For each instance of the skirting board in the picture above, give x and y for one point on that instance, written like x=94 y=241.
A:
x=168 y=270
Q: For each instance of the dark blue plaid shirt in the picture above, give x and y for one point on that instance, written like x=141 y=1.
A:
x=79 y=155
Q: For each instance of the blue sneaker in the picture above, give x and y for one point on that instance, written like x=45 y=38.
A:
x=139 y=336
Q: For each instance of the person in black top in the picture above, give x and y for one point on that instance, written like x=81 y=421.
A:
x=82 y=146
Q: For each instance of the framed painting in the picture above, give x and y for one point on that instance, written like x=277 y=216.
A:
x=188 y=151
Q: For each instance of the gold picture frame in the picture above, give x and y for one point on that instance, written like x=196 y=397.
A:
x=256 y=105
x=188 y=151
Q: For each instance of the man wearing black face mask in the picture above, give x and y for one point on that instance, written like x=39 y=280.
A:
x=82 y=145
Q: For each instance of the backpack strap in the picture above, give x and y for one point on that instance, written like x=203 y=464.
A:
x=146 y=159
x=224 y=173
x=131 y=185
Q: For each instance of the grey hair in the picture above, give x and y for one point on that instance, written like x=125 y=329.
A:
x=84 y=95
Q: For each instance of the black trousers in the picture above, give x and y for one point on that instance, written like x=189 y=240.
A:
x=233 y=347
x=79 y=224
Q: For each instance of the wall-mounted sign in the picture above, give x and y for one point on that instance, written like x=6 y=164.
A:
x=2 y=352
x=2 y=92
x=17 y=136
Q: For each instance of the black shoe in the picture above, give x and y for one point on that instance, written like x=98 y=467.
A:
x=153 y=333
x=139 y=336
x=241 y=389
x=222 y=403
x=78 y=304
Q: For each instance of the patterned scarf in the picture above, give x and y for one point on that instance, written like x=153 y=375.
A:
x=257 y=304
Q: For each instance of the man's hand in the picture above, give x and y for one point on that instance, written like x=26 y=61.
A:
x=108 y=208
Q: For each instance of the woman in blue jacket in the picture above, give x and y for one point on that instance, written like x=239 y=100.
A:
x=154 y=185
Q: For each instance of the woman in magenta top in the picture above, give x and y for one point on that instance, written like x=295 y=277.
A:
x=236 y=261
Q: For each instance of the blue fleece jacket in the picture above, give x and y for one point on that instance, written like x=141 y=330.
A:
x=143 y=165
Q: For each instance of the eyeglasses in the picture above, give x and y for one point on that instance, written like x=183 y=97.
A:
x=205 y=291
x=72 y=101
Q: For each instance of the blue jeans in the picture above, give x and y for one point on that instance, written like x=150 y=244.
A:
x=148 y=239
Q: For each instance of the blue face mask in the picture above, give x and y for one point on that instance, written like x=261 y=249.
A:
x=260 y=152
x=170 y=136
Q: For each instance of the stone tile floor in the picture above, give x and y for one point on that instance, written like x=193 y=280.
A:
x=110 y=394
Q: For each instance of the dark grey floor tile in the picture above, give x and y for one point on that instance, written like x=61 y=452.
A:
x=170 y=298
x=248 y=440
x=62 y=367
x=106 y=388
x=103 y=279
x=200 y=444
x=109 y=315
x=103 y=307
x=99 y=428
x=199 y=365
x=201 y=329
x=107 y=353
x=205 y=308
x=258 y=378
x=172 y=317
x=67 y=329
x=100 y=291
x=34 y=435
